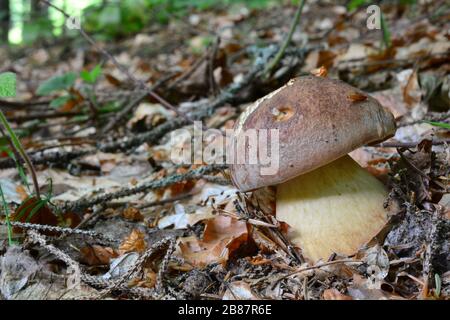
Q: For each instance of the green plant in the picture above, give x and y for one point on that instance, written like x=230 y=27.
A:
x=438 y=124
x=65 y=82
x=116 y=19
x=19 y=167
x=34 y=206
x=6 y=87
x=386 y=32
x=91 y=76
x=8 y=223
x=7 y=84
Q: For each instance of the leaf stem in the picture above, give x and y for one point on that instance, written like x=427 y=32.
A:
x=8 y=223
x=272 y=64
x=19 y=148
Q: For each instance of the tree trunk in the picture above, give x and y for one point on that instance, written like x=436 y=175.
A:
x=5 y=20
x=39 y=10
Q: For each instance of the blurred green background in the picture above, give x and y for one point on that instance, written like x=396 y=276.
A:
x=26 y=21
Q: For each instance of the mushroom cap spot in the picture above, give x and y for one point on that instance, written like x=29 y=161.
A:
x=323 y=125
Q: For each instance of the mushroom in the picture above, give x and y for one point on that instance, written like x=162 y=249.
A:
x=331 y=203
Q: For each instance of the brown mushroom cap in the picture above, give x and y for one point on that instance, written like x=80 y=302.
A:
x=319 y=120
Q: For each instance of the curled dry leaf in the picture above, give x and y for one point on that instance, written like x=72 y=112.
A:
x=320 y=72
x=132 y=214
x=333 y=294
x=361 y=290
x=134 y=242
x=412 y=93
x=148 y=280
x=263 y=242
x=97 y=255
x=222 y=236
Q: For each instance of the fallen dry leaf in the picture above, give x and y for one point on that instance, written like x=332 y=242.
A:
x=132 y=214
x=97 y=255
x=148 y=281
x=134 y=242
x=412 y=92
x=222 y=236
x=183 y=186
x=320 y=72
x=34 y=211
x=333 y=294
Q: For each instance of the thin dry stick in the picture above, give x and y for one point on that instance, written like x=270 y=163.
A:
x=272 y=64
x=126 y=143
x=84 y=203
x=395 y=144
x=315 y=267
x=132 y=104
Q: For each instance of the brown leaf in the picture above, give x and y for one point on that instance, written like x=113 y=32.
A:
x=113 y=80
x=320 y=72
x=71 y=220
x=132 y=214
x=222 y=236
x=20 y=189
x=183 y=186
x=333 y=294
x=34 y=211
x=412 y=93
x=97 y=255
x=148 y=281
x=134 y=242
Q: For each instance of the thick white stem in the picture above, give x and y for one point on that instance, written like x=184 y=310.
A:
x=336 y=208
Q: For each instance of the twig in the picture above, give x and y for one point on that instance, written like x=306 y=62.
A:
x=167 y=242
x=64 y=231
x=116 y=120
x=272 y=64
x=81 y=204
x=163 y=202
x=126 y=143
x=44 y=115
x=188 y=72
x=413 y=144
x=315 y=267
x=23 y=104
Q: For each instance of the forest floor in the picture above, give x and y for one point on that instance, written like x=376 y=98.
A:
x=116 y=218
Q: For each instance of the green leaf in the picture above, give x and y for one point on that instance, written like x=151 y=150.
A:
x=60 y=101
x=7 y=84
x=355 y=4
x=439 y=124
x=91 y=76
x=6 y=209
x=57 y=83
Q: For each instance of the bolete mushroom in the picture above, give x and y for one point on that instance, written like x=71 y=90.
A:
x=329 y=201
